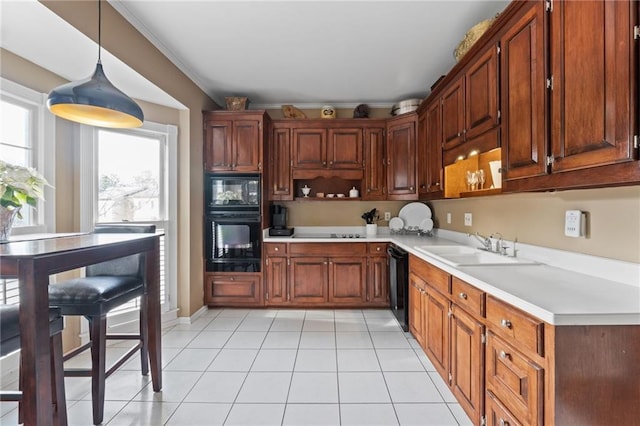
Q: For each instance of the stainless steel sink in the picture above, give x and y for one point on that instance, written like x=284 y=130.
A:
x=469 y=256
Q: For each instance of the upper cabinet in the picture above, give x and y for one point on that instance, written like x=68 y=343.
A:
x=574 y=125
x=375 y=177
x=234 y=141
x=470 y=107
x=401 y=157
x=280 y=164
x=319 y=147
x=523 y=94
x=430 y=172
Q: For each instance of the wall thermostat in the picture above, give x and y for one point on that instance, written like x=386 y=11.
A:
x=575 y=223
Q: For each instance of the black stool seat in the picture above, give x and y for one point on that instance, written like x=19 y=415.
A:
x=10 y=342
x=10 y=327
x=94 y=295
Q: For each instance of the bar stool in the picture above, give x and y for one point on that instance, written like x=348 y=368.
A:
x=106 y=286
x=10 y=342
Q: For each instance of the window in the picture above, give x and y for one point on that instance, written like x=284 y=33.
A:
x=27 y=139
x=129 y=176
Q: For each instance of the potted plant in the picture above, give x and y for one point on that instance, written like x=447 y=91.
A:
x=18 y=186
x=371 y=217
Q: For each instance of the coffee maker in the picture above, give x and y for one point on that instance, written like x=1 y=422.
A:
x=279 y=222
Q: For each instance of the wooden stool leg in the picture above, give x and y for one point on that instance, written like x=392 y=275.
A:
x=98 y=325
x=57 y=381
x=144 y=348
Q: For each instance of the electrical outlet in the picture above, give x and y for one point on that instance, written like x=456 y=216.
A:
x=575 y=223
x=468 y=219
x=387 y=215
x=449 y=218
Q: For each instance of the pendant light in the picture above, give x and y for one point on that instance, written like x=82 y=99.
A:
x=94 y=100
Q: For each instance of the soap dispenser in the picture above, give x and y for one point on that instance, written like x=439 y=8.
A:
x=353 y=193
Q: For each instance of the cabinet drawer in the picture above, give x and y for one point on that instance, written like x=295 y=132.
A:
x=496 y=414
x=436 y=278
x=521 y=329
x=516 y=381
x=467 y=296
x=377 y=249
x=233 y=289
x=275 y=249
x=328 y=249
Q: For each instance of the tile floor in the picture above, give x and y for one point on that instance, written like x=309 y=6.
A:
x=275 y=367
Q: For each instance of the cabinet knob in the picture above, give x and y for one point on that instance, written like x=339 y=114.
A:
x=411 y=188
x=436 y=184
x=505 y=323
x=277 y=249
x=463 y=296
x=377 y=248
x=423 y=186
x=324 y=163
x=331 y=163
x=232 y=279
x=504 y=355
x=503 y=422
x=458 y=135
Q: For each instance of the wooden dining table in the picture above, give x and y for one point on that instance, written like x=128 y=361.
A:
x=32 y=261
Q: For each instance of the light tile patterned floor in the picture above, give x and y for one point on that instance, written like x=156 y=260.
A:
x=275 y=367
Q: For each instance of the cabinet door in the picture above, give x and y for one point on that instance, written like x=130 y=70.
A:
x=345 y=148
x=280 y=161
x=308 y=280
x=437 y=331
x=423 y=156
x=467 y=363
x=453 y=115
x=524 y=150
x=416 y=308
x=431 y=173
x=497 y=415
x=593 y=90
x=481 y=91
x=401 y=160
x=378 y=280
x=224 y=288
x=247 y=146
x=375 y=167
x=347 y=277
x=217 y=145
x=309 y=148
x=277 y=280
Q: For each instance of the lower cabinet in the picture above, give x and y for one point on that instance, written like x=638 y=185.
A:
x=233 y=289
x=323 y=274
x=417 y=308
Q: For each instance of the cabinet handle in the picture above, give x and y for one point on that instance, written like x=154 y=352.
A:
x=368 y=189
x=331 y=163
x=232 y=279
x=377 y=248
x=411 y=188
x=325 y=263
x=458 y=135
x=503 y=422
x=436 y=184
x=505 y=323
x=463 y=296
x=504 y=355
x=324 y=163
x=277 y=249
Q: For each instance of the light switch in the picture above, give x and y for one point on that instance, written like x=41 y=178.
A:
x=574 y=223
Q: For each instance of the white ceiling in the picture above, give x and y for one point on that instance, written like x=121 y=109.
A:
x=304 y=52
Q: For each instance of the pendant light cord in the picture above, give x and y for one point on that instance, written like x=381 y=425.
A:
x=99 y=29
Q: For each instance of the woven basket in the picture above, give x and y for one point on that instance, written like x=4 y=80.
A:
x=471 y=37
x=236 y=103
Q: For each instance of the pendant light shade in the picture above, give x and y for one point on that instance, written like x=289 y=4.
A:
x=95 y=101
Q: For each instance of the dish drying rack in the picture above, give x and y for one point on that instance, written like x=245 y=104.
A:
x=412 y=230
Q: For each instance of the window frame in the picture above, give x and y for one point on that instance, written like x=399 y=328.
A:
x=42 y=146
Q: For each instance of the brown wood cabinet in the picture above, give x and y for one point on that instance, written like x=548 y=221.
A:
x=417 y=308
x=453 y=114
x=401 y=158
x=375 y=177
x=377 y=274
x=233 y=289
x=437 y=331
x=280 y=164
x=324 y=274
x=523 y=94
x=430 y=171
x=321 y=147
x=591 y=93
x=234 y=141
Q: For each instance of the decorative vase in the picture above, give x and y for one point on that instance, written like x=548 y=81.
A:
x=372 y=229
x=7 y=217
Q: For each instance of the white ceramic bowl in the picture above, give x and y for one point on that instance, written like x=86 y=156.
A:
x=330 y=195
x=340 y=195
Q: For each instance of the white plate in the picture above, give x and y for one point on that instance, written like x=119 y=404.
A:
x=413 y=214
x=426 y=225
x=396 y=224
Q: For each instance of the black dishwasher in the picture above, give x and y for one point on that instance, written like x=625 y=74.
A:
x=399 y=284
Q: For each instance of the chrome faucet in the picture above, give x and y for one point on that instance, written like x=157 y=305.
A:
x=500 y=248
x=486 y=242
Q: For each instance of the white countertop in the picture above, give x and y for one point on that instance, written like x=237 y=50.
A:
x=604 y=292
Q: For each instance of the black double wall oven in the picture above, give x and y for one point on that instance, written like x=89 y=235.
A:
x=232 y=222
